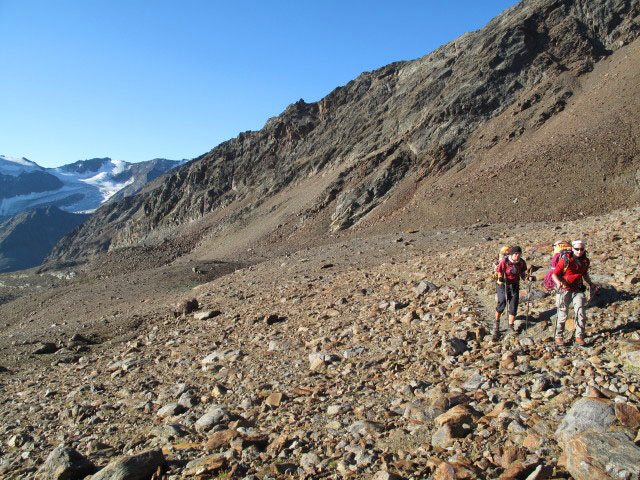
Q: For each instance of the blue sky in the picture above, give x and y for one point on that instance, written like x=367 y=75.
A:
x=136 y=80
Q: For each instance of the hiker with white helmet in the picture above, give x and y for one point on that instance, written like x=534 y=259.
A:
x=510 y=270
x=568 y=275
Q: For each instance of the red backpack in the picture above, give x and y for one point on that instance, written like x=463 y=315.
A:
x=560 y=250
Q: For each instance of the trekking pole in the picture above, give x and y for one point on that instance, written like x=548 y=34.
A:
x=526 y=318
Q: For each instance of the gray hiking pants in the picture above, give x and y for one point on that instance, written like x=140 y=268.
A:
x=579 y=301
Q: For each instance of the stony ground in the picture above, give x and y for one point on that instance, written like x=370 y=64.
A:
x=367 y=358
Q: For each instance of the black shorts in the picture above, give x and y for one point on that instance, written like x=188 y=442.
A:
x=513 y=296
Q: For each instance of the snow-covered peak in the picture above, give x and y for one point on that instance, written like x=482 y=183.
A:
x=81 y=186
x=15 y=166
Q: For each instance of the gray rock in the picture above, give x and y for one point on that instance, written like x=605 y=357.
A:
x=170 y=430
x=633 y=359
x=309 y=461
x=171 y=410
x=354 y=352
x=45 y=348
x=587 y=414
x=188 y=399
x=213 y=357
x=592 y=456
x=444 y=436
x=216 y=415
x=454 y=347
x=134 y=467
x=424 y=287
x=206 y=314
x=64 y=463
x=474 y=382
x=422 y=414
x=19 y=439
x=363 y=427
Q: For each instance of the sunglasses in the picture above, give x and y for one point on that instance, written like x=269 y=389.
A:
x=578 y=249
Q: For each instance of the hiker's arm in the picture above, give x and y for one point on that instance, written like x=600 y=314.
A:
x=557 y=280
x=555 y=275
x=587 y=279
x=500 y=270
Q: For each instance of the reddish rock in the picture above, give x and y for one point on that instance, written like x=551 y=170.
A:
x=628 y=415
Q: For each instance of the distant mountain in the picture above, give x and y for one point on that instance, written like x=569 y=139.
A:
x=27 y=238
x=78 y=187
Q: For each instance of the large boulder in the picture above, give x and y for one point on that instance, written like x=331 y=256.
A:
x=64 y=463
x=587 y=414
x=134 y=467
x=602 y=456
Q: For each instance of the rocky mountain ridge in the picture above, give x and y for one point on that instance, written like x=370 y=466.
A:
x=386 y=138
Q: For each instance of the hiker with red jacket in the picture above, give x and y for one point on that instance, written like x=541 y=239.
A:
x=510 y=270
x=568 y=275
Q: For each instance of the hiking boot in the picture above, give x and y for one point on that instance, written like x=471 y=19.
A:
x=580 y=341
x=495 y=334
x=511 y=330
x=560 y=341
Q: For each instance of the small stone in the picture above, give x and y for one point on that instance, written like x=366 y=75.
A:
x=309 y=462
x=273 y=319
x=455 y=471
x=474 y=382
x=365 y=426
x=45 y=348
x=446 y=435
x=628 y=415
x=206 y=314
x=274 y=400
x=188 y=399
x=205 y=466
x=221 y=439
x=454 y=347
x=633 y=359
x=171 y=410
x=216 y=415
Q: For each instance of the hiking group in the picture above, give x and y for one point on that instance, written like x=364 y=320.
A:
x=568 y=273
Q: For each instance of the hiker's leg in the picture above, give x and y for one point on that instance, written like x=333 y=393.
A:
x=502 y=303
x=502 y=298
x=514 y=292
x=579 y=307
x=561 y=304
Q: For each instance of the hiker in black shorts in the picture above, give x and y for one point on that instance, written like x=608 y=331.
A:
x=510 y=270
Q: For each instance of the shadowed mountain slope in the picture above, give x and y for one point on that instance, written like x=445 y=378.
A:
x=494 y=123
x=27 y=238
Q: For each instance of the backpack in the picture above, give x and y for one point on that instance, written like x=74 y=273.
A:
x=561 y=249
x=504 y=251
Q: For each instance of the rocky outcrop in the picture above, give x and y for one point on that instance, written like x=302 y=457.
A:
x=418 y=118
